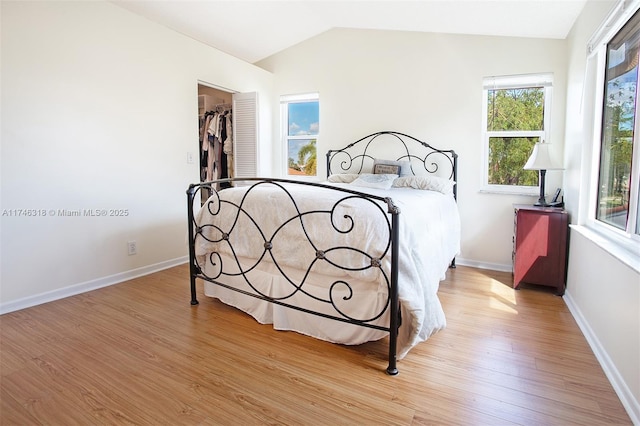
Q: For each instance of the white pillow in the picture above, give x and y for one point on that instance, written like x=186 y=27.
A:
x=430 y=183
x=379 y=181
x=343 y=177
x=405 y=165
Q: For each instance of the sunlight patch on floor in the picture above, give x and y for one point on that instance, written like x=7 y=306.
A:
x=504 y=298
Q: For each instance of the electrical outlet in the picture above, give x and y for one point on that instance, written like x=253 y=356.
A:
x=133 y=247
x=189 y=157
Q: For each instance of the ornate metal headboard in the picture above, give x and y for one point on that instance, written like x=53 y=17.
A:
x=358 y=157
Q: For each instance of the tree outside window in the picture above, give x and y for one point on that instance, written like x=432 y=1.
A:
x=301 y=117
x=618 y=125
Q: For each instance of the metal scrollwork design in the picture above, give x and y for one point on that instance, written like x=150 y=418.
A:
x=233 y=215
x=358 y=157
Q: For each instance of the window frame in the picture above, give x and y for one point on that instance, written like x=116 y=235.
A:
x=506 y=82
x=627 y=239
x=285 y=100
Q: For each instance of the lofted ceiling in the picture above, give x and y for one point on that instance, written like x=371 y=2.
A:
x=255 y=29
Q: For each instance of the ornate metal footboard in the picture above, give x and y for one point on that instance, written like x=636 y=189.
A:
x=221 y=235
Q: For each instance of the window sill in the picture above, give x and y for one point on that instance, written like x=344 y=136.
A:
x=527 y=191
x=626 y=253
x=519 y=192
x=302 y=178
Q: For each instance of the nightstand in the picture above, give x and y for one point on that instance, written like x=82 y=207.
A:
x=540 y=246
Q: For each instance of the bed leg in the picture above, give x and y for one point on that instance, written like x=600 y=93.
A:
x=392 y=370
x=194 y=299
x=453 y=263
x=394 y=322
x=193 y=269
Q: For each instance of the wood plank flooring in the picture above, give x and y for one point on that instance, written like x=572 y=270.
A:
x=138 y=353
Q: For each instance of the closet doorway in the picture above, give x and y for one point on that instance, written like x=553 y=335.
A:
x=215 y=133
x=228 y=133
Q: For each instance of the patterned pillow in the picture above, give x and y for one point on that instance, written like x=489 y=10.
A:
x=386 y=169
x=405 y=166
x=379 y=181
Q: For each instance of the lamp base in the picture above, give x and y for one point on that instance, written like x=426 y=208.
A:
x=542 y=202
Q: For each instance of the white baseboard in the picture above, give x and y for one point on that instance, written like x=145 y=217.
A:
x=484 y=265
x=75 y=289
x=617 y=381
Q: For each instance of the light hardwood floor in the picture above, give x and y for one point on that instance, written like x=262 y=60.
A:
x=138 y=353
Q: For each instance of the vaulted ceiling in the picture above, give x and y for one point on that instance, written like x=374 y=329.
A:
x=255 y=29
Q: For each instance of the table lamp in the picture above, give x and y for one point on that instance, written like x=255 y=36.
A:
x=541 y=160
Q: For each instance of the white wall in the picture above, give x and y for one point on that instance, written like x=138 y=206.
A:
x=602 y=292
x=428 y=86
x=99 y=110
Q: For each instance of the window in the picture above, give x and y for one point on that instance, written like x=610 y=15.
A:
x=617 y=200
x=300 y=129
x=515 y=117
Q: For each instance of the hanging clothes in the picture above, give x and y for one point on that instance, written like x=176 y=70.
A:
x=216 y=144
x=227 y=145
x=204 y=147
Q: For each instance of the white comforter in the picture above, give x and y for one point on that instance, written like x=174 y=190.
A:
x=429 y=239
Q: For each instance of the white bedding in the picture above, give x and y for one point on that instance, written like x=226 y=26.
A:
x=429 y=239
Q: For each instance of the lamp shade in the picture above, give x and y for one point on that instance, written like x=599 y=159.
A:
x=540 y=159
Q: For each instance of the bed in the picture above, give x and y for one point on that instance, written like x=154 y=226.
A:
x=352 y=259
